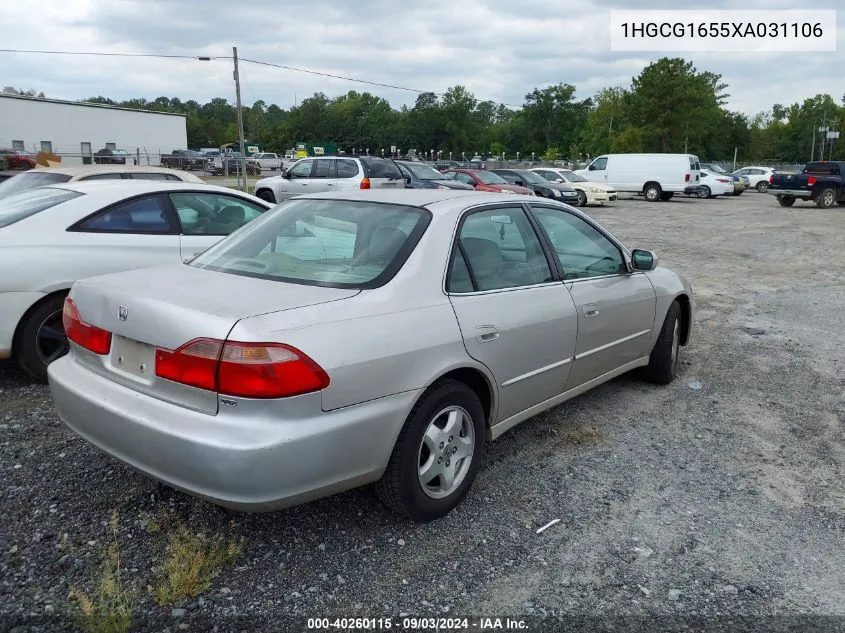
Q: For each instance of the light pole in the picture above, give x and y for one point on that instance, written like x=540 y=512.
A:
x=832 y=135
x=823 y=130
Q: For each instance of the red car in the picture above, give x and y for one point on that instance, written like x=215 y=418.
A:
x=17 y=160
x=484 y=180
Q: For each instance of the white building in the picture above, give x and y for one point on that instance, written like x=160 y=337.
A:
x=76 y=130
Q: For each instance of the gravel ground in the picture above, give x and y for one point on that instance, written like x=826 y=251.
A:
x=720 y=496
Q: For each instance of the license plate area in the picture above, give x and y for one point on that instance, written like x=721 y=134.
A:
x=133 y=358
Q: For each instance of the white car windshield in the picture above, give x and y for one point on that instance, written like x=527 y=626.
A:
x=333 y=243
x=30 y=180
x=27 y=203
x=571 y=176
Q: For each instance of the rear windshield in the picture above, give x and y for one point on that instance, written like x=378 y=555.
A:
x=27 y=203
x=381 y=168
x=29 y=180
x=821 y=169
x=332 y=243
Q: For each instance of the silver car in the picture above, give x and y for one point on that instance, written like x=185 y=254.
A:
x=331 y=173
x=346 y=339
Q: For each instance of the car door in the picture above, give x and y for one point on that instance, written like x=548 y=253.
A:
x=136 y=233
x=515 y=316
x=324 y=175
x=206 y=218
x=597 y=170
x=297 y=180
x=616 y=308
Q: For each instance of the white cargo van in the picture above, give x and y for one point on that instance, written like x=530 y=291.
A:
x=656 y=176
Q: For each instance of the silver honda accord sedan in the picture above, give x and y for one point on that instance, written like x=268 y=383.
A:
x=357 y=337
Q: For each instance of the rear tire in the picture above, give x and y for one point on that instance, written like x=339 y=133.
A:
x=652 y=192
x=663 y=362
x=762 y=186
x=786 y=201
x=267 y=195
x=704 y=192
x=40 y=338
x=401 y=487
x=582 y=199
x=826 y=199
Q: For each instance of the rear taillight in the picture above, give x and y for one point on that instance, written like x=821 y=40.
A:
x=248 y=370
x=687 y=177
x=724 y=180
x=365 y=183
x=811 y=180
x=772 y=179
x=83 y=334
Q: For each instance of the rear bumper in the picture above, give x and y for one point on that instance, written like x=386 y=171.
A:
x=257 y=460
x=794 y=193
x=13 y=305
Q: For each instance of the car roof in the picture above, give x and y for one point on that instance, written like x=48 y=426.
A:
x=75 y=171
x=142 y=186
x=415 y=197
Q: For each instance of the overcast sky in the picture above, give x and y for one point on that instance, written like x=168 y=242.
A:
x=499 y=49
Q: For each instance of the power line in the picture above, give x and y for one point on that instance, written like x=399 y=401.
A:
x=101 y=54
x=242 y=60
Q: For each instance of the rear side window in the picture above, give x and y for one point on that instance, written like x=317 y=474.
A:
x=141 y=215
x=30 y=180
x=27 y=203
x=324 y=169
x=381 y=168
x=346 y=168
x=822 y=169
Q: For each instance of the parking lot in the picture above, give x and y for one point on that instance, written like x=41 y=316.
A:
x=719 y=494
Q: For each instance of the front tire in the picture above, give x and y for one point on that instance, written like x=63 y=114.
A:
x=41 y=338
x=762 y=186
x=826 y=199
x=663 y=362
x=582 y=199
x=437 y=455
x=267 y=195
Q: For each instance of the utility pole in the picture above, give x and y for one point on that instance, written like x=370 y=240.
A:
x=735 y=149
x=823 y=131
x=242 y=169
x=813 y=147
x=610 y=130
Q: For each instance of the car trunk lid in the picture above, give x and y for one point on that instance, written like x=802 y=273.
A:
x=165 y=308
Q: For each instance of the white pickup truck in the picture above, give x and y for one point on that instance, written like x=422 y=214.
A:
x=272 y=162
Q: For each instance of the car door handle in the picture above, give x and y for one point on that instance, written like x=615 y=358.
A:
x=590 y=310
x=486 y=333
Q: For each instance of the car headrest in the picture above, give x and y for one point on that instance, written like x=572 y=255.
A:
x=231 y=215
x=385 y=243
x=485 y=257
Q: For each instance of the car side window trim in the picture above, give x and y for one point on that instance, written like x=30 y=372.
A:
x=457 y=247
x=164 y=202
x=556 y=265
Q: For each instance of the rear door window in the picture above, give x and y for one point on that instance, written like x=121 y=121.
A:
x=27 y=203
x=324 y=169
x=140 y=215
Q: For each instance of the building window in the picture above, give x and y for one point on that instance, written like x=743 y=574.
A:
x=17 y=146
x=47 y=147
x=111 y=146
x=86 y=153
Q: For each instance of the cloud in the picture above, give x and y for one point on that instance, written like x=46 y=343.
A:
x=498 y=49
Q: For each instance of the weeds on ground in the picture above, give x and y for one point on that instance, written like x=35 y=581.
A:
x=193 y=558
x=109 y=608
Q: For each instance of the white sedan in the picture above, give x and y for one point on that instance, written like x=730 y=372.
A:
x=588 y=192
x=54 y=235
x=712 y=185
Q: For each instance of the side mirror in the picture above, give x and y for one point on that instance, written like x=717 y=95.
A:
x=519 y=183
x=408 y=180
x=643 y=260
x=285 y=174
x=560 y=180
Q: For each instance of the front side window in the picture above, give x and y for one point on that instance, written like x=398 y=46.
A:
x=599 y=164
x=582 y=250
x=301 y=170
x=212 y=214
x=334 y=243
x=27 y=203
x=141 y=215
x=499 y=249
